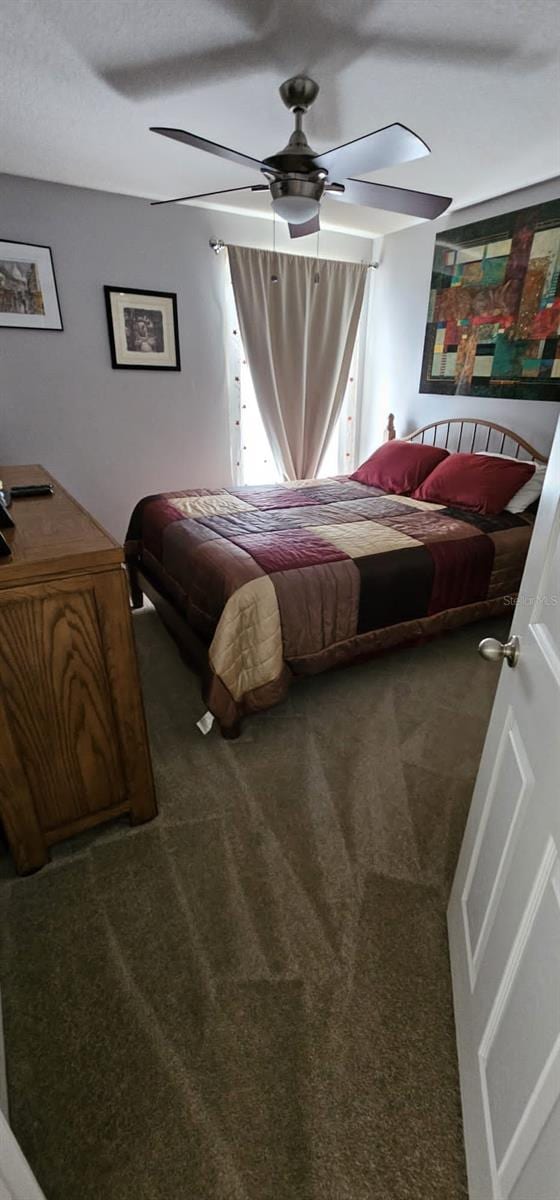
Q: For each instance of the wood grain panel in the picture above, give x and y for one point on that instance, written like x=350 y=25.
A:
x=57 y=699
x=111 y=594
x=16 y=804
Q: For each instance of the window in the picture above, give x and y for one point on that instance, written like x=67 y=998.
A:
x=256 y=460
x=252 y=457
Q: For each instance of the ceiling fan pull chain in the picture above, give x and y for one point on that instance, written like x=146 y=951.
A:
x=316 y=276
x=274 y=277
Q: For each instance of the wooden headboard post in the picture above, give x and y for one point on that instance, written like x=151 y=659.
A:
x=496 y=439
x=390 y=431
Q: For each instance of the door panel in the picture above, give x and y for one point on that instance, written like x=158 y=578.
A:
x=508 y=794
x=512 y=1063
x=533 y=1180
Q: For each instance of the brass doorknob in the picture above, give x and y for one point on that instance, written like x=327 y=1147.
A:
x=494 y=650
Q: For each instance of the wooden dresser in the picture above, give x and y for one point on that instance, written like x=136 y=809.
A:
x=73 y=745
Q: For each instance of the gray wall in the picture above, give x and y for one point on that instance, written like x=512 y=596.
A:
x=397 y=323
x=113 y=436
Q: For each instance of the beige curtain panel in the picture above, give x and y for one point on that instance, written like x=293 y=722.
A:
x=299 y=335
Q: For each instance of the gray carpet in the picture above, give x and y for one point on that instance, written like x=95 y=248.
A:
x=249 y=999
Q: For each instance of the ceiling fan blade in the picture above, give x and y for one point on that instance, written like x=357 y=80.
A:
x=385 y=148
x=311 y=226
x=251 y=187
x=393 y=199
x=168 y=73
x=200 y=143
x=465 y=51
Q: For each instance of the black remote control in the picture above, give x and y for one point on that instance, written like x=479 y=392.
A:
x=22 y=490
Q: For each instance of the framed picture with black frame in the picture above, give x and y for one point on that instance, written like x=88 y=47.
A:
x=28 y=293
x=143 y=329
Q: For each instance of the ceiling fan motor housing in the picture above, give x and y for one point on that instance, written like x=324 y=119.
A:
x=297 y=157
x=309 y=189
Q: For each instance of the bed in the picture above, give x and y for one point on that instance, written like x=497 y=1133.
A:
x=259 y=585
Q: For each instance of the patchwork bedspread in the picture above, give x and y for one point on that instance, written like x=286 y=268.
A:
x=302 y=576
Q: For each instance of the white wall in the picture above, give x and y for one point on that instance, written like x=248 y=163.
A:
x=397 y=324
x=112 y=436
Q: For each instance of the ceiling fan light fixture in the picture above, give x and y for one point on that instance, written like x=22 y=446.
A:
x=297 y=210
x=296 y=200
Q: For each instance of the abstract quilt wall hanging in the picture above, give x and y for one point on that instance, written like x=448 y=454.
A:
x=494 y=313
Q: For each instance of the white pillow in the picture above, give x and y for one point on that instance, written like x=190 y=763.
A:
x=529 y=491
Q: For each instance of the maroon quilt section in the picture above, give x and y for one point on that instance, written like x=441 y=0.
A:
x=286 y=549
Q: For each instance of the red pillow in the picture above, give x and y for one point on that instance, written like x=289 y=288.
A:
x=478 y=482
x=399 y=466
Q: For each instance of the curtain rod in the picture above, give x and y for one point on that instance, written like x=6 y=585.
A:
x=217 y=245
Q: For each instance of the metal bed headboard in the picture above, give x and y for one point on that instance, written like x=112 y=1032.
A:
x=470 y=434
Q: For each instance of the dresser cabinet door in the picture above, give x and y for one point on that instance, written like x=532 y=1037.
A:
x=60 y=743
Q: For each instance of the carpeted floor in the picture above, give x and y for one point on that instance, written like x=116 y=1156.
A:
x=249 y=999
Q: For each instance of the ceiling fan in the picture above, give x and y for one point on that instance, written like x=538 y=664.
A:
x=298 y=178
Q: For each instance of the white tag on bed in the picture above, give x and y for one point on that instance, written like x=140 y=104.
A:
x=206 y=722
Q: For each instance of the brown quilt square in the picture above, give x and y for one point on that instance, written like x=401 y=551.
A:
x=428 y=526
x=394 y=587
x=318 y=608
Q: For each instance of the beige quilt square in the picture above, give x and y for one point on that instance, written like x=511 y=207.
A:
x=364 y=537
x=246 y=651
x=422 y=504
x=305 y=483
x=211 y=505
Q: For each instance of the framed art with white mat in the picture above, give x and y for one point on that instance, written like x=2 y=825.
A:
x=28 y=295
x=143 y=329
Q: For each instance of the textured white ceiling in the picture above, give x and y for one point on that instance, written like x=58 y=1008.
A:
x=81 y=81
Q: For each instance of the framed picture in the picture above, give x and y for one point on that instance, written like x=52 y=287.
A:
x=28 y=295
x=494 y=312
x=143 y=329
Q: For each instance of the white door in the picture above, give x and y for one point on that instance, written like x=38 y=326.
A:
x=504 y=912
x=16 y=1179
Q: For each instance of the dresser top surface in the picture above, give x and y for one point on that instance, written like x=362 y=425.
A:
x=53 y=534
